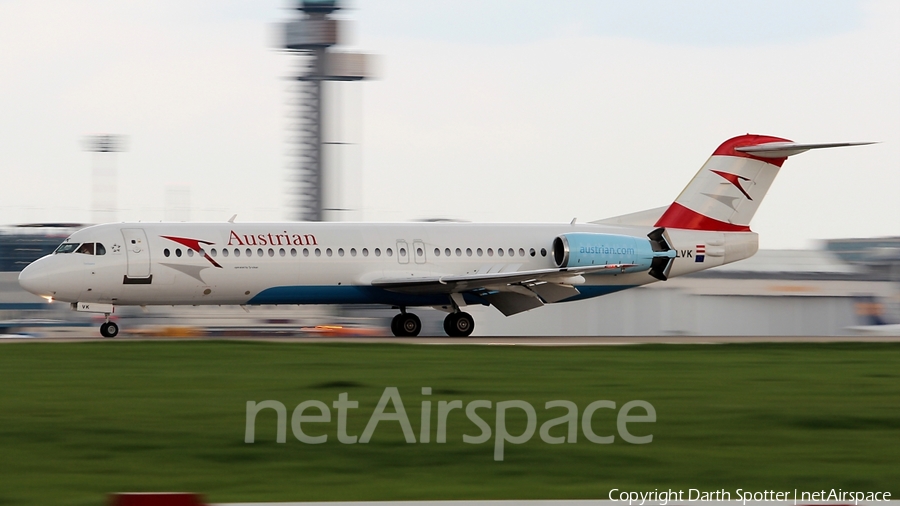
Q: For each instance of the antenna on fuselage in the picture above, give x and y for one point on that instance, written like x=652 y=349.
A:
x=231 y=220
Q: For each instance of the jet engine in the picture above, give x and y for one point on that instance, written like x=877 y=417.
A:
x=628 y=253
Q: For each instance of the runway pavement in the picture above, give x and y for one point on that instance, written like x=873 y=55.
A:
x=88 y=336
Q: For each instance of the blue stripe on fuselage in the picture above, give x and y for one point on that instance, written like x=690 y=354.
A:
x=373 y=295
x=352 y=295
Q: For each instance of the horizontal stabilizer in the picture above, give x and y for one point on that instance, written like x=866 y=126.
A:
x=786 y=149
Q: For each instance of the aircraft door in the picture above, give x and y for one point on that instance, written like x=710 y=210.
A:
x=138 y=252
x=419 y=251
x=402 y=252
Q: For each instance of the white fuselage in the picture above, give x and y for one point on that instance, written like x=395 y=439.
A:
x=325 y=263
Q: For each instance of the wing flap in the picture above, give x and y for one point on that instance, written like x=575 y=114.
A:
x=552 y=292
x=510 y=303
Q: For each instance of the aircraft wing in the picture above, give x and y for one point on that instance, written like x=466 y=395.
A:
x=510 y=292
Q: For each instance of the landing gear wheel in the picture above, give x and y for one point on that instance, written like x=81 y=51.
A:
x=109 y=329
x=395 y=325
x=406 y=325
x=459 y=324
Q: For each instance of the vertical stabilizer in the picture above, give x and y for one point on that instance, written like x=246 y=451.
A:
x=727 y=191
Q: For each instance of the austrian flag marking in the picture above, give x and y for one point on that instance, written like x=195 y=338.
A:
x=701 y=253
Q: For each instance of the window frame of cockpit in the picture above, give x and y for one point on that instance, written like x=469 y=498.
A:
x=96 y=248
x=72 y=246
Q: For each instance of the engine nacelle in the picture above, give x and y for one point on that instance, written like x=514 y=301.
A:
x=580 y=249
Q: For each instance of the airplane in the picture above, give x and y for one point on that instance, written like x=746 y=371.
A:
x=443 y=265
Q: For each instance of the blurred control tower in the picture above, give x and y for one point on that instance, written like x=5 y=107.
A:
x=313 y=36
x=104 y=149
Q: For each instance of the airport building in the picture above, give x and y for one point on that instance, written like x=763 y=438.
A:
x=775 y=292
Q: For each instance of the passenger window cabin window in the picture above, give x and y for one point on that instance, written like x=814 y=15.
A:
x=271 y=252
x=190 y=252
x=447 y=251
x=237 y=252
x=420 y=252
x=468 y=252
x=340 y=252
x=248 y=252
x=293 y=252
x=224 y=252
x=378 y=252
x=259 y=252
x=318 y=252
x=166 y=252
x=178 y=252
x=543 y=252
x=531 y=252
x=353 y=252
x=402 y=252
x=281 y=252
x=500 y=251
x=365 y=252
x=437 y=252
x=328 y=251
x=521 y=252
x=389 y=252
x=306 y=252
x=479 y=252
x=490 y=252
x=213 y=252
x=512 y=252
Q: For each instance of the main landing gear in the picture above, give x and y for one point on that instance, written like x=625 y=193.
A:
x=457 y=324
x=109 y=329
x=406 y=324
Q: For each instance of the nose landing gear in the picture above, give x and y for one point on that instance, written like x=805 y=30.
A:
x=109 y=329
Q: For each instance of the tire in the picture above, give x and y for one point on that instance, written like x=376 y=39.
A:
x=448 y=324
x=396 y=328
x=109 y=329
x=459 y=324
x=410 y=325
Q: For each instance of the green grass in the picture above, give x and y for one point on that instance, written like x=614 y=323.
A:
x=80 y=420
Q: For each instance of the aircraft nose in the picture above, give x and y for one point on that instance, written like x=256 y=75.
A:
x=35 y=281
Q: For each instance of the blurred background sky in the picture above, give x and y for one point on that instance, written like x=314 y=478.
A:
x=484 y=111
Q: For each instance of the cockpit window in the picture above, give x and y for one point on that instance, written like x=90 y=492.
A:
x=86 y=248
x=67 y=247
x=100 y=249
